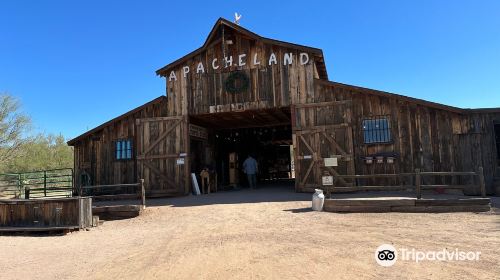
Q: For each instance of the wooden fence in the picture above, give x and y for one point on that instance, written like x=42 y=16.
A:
x=116 y=192
x=416 y=178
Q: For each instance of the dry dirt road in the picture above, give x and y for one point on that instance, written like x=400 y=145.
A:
x=262 y=234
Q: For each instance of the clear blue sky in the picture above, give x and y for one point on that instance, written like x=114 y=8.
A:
x=76 y=64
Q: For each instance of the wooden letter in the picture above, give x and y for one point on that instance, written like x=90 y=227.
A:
x=172 y=76
x=272 y=59
x=213 y=64
x=255 y=61
x=304 y=58
x=288 y=59
x=240 y=60
x=200 y=68
x=229 y=61
x=185 y=70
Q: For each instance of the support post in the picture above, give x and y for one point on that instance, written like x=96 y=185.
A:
x=27 y=193
x=143 y=194
x=19 y=186
x=44 y=183
x=418 y=183
x=481 y=181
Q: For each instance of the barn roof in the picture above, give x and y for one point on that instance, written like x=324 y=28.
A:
x=102 y=126
x=318 y=53
x=413 y=100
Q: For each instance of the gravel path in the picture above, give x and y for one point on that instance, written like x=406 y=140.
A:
x=262 y=234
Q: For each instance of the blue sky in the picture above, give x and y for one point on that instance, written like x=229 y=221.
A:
x=76 y=64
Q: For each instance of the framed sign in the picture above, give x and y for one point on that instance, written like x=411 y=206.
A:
x=327 y=180
x=330 y=162
x=198 y=131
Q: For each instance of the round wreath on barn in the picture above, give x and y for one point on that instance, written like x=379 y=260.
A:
x=237 y=82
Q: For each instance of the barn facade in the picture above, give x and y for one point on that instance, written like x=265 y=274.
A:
x=241 y=94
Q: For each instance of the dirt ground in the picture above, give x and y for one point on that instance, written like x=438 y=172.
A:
x=260 y=234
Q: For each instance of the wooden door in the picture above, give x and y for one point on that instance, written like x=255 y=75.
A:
x=323 y=143
x=162 y=155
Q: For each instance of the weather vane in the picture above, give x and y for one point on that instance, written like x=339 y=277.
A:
x=237 y=18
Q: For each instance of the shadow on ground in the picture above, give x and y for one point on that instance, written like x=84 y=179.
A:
x=265 y=193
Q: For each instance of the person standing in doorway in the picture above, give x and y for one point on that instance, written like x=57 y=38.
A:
x=250 y=167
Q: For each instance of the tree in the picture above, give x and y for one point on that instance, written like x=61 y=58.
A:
x=42 y=152
x=13 y=125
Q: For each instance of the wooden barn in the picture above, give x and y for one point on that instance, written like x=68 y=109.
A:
x=241 y=93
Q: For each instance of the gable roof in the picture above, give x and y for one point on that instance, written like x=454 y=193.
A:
x=318 y=53
x=102 y=126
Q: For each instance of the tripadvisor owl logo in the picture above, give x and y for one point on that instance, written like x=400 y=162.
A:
x=386 y=255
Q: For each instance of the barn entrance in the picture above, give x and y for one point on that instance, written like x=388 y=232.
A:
x=220 y=142
x=303 y=145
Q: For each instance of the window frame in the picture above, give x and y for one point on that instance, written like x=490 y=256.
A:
x=126 y=150
x=379 y=134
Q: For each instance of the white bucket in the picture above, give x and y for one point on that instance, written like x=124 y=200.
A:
x=318 y=200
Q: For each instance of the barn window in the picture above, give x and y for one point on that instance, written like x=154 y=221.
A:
x=377 y=130
x=123 y=149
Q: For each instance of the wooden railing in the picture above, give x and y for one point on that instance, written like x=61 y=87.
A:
x=417 y=179
x=116 y=192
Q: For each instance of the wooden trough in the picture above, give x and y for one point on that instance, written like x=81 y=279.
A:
x=116 y=212
x=407 y=205
x=110 y=210
x=51 y=214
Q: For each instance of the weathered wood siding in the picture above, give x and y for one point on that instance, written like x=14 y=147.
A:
x=73 y=212
x=272 y=86
x=161 y=143
x=95 y=153
x=425 y=137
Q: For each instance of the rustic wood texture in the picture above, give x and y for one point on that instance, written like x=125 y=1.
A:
x=116 y=212
x=162 y=142
x=326 y=118
x=425 y=135
x=407 y=205
x=94 y=151
x=270 y=86
x=46 y=213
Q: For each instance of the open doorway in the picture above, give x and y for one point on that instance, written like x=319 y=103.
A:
x=270 y=146
x=266 y=135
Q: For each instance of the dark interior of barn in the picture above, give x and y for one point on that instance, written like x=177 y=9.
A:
x=266 y=136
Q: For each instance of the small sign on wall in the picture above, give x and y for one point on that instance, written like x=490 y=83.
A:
x=198 y=131
x=329 y=162
x=180 y=161
x=327 y=180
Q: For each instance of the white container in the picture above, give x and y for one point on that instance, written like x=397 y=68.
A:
x=318 y=200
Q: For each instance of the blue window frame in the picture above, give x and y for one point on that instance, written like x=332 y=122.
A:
x=377 y=130
x=123 y=149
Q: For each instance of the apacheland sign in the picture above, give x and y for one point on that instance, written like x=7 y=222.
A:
x=241 y=60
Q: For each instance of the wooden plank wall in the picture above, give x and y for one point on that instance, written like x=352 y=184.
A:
x=428 y=138
x=161 y=141
x=61 y=212
x=269 y=87
x=102 y=166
